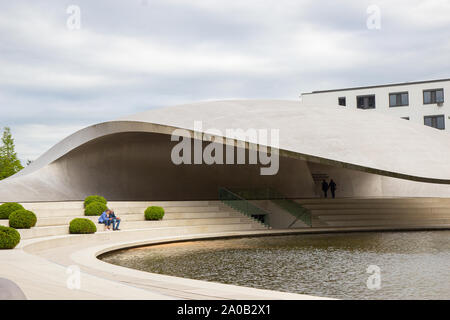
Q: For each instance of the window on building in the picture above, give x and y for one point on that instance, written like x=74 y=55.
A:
x=399 y=99
x=365 y=102
x=342 y=101
x=437 y=122
x=433 y=96
x=406 y=118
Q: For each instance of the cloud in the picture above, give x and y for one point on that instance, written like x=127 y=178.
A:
x=130 y=56
x=36 y=137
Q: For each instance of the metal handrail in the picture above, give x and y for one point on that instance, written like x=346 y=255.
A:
x=242 y=205
x=292 y=207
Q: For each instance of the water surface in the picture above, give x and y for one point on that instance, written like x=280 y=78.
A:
x=413 y=265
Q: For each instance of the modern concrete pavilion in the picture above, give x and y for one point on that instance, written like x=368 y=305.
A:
x=391 y=174
x=129 y=159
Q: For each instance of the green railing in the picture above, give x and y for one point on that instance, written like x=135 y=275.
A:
x=292 y=207
x=240 y=204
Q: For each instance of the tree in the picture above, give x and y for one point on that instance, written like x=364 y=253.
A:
x=9 y=163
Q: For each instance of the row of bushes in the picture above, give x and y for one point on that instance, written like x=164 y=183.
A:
x=93 y=206
x=96 y=205
x=19 y=218
x=97 y=208
x=10 y=237
x=7 y=208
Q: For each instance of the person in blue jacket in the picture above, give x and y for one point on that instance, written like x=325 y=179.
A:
x=105 y=219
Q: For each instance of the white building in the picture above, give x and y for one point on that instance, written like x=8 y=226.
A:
x=422 y=101
x=132 y=159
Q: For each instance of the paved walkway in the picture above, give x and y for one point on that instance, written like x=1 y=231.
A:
x=40 y=268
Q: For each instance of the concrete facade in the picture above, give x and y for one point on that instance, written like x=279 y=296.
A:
x=129 y=159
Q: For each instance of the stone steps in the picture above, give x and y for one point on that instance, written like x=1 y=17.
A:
x=336 y=217
x=39 y=232
x=138 y=219
x=378 y=212
x=58 y=220
x=49 y=221
x=76 y=209
x=380 y=223
x=322 y=201
x=375 y=212
x=177 y=223
x=120 y=211
x=117 y=204
x=382 y=206
x=54 y=217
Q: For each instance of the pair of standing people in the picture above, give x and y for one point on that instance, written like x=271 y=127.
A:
x=331 y=186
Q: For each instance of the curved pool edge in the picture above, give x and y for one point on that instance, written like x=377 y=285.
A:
x=50 y=258
x=186 y=288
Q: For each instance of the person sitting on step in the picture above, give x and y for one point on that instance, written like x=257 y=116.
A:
x=105 y=219
x=115 y=220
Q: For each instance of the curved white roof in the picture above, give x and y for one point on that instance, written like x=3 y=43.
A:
x=359 y=138
x=355 y=139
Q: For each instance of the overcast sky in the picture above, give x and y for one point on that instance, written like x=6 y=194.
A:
x=133 y=55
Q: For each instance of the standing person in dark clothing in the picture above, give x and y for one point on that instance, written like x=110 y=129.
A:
x=332 y=188
x=325 y=188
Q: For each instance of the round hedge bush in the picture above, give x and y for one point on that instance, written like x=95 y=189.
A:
x=7 y=208
x=82 y=226
x=154 y=213
x=95 y=209
x=22 y=219
x=92 y=199
x=9 y=237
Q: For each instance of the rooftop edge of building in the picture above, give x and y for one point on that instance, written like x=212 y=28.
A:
x=376 y=86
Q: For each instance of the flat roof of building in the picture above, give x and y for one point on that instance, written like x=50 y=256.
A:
x=378 y=86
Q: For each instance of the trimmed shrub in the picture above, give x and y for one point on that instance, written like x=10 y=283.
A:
x=9 y=237
x=95 y=209
x=22 y=219
x=7 y=208
x=82 y=226
x=154 y=213
x=92 y=199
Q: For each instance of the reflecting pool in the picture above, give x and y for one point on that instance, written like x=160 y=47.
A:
x=412 y=265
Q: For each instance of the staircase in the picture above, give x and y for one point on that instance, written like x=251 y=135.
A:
x=379 y=212
x=243 y=200
x=53 y=218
